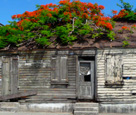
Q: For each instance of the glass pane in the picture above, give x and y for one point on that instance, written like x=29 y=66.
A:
x=85 y=68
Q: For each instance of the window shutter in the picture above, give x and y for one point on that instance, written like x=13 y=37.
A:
x=118 y=67
x=63 y=69
x=9 y=75
x=55 y=67
x=110 y=68
x=59 y=65
x=113 y=68
x=14 y=75
x=5 y=75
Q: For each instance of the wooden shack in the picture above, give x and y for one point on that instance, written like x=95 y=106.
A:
x=102 y=73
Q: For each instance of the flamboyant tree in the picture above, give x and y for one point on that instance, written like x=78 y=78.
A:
x=67 y=21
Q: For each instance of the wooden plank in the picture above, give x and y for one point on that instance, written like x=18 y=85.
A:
x=57 y=69
x=113 y=68
x=5 y=76
x=59 y=63
x=54 y=63
x=18 y=95
x=63 y=69
x=109 y=68
x=14 y=75
x=77 y=76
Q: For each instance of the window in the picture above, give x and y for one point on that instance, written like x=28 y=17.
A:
x=113 y=69
x=59 y=74
x=85 y=71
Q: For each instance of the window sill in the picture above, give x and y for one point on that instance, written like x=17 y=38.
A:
x=59 y=83
x=117 y=83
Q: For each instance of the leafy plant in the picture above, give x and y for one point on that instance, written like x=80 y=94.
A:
x=125 y=43
x=111 y=35
x=125 y=6
x=68 y=21
x=126 y=14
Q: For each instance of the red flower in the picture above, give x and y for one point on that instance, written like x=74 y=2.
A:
x=67 y=13
x=125 y=28
x=49 y=14
x=109 y=26
x=14 y=16
x=63 y=2
x=90 y=5
x=84 y=15
x=134 y=26
x=101 y=7
x=19 y=16
x=114 y=11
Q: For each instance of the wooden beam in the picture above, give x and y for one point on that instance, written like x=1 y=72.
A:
x=18 y=95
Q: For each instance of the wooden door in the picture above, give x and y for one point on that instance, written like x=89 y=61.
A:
x=9 y=75
x=86 y=80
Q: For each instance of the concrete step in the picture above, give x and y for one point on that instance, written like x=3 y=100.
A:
x=85 y=113
x=82 y=104
x=86 y=109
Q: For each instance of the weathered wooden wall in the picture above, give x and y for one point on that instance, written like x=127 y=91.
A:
x=125 y=92
x=34 y=73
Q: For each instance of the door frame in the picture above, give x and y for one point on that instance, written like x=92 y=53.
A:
x=77 y=77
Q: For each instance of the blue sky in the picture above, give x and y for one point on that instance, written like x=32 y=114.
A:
x=11 y=7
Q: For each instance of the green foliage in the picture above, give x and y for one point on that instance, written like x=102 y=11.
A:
x=3 y=42
x=35 y=26
x=125 y=6
x=86 y=29
x=63 y=33
x=68 y=22
x=43 y=41
x=128 y=14
x=125 y=43
x=97 y=35
x=131 y=16
x=47 y=33
x=111 y=35
x=27 y=24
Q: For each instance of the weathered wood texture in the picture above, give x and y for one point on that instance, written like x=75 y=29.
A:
x=9 y=75
x=38 y=71
x=86 y=87
x=5 y=75
x=14 y=75
x=17 y=95
x=123 y=63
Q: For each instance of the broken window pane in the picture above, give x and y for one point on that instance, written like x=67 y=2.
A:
x=85 y=68
x=87 y=78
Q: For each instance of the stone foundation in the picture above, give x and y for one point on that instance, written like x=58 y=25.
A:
x=117 y=108
x=34 y=107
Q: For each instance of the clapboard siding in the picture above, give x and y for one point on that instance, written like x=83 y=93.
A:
x=117 y=93
x=35 y=74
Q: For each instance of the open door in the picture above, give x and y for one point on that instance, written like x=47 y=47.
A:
x=9 y=75
x=86 y=80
